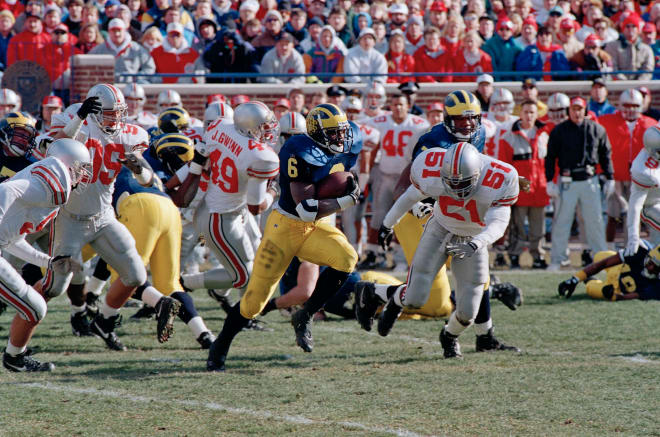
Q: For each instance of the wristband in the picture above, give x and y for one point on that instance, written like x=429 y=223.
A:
x=195 y=168
x=145 y=177
x=73 y=126
x=268 y=199
x=345 y=202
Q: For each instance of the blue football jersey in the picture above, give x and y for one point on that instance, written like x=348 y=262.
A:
x=126 y=183
x=439 y=136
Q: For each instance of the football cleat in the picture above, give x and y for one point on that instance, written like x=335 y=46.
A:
x=388 y=316
x=92 y=301
x=257 y=325
x=146 y=312
x=104 y=328
x=25 y=363
x=166 y=311
x=205 y=339
x=450 y=345
x=488 y=342
x=80 y=325
x=366 y=304
x=216 y=359
x=302 y=325
x=373 y=261
x=515 y=261
x=540 y=263
x=222 y=299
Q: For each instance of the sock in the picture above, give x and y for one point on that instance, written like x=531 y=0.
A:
x=329 y=283
x=95 y=285
x=483 y=328
x=81 y=309
x=397 y=295
x=137 y=294
x=151 y=296
x=187 y=312
x=234 y=323
x=101 y=270
x=270 y=306
x=454 y=327
x=14 y=350
x=382 y=291
x=107 y=311
x=194 y=281
x=197 y=326
x=483 y=315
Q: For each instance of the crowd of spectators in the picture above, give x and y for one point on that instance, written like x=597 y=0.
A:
x=337 y=40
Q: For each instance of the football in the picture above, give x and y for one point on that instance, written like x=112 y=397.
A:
x=333 y=185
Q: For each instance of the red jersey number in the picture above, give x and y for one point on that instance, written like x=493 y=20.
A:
x=105 y=160
x=651 y=163
x=470 y=207
x=493 y=178
x=433 y=160
x=392 y=149
x=223 y=172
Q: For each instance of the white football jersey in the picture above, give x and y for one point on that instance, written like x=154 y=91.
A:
x=369 y=133
x=492 y=148
x=105 y=151
x=32 y=198
x=497 y=186
x=196 y=134
x=144 y=119
x=395 y=140
x=645 y=172
x=233 y=159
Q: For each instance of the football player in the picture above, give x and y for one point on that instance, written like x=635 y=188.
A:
x=295 y=228
x=28 y=202
x=88 y=218
x=17 y=138
x=635 y=276
x=135 y=101
x=169 y=99
x=474 y=196
x=644 y=203
x=9 y=101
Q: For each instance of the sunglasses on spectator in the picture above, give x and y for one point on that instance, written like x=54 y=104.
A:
x=270 y=20
x=59 y=32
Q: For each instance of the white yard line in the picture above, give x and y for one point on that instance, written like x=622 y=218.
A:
x=259 y=414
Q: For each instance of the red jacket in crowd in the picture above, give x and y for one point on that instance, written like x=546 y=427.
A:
x=483 y=65
x=57 y=58
x=625 y=146
x=16 y=9
x=523 y=153
x=399 y=63
x=169 y=60
x=27 y=46
x=424 y=63
x=451 y=47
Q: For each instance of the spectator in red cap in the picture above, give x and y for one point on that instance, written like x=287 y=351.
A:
x=215 y=98
x=438 y=14
x=50 y=105
x=629 y=53
x=471 y=59
x=431 y=58
x=435 y=113
x=649 y=33
x=528 y=34
x=176 y=56
x=538 y=56
x=591 y=58
x=503 y=49
x=29 y=44
x=281 y=107
x=15 y=8
x=568 y=41
x=398 y=61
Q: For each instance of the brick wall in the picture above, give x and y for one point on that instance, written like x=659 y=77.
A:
x=88 y=70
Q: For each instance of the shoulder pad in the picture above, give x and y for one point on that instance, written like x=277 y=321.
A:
x=54 y=176
x=425 y=171
x=266 y=165
x=358 y=139
x=305 y=148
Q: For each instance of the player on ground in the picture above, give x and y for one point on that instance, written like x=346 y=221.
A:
x=295 y=228
x=28 y=202
x=474 y=196
x=135 y=101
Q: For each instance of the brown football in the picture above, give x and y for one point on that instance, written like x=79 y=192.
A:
x=333 y=185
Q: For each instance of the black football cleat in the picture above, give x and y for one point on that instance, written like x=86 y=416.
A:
x=80 y=325
x=105 y=329
x=366 y=304
x=488 y=342
x=302 y=325
x=166 y=311
x=540 y=263
x=450 y=346
x=257 y=325
x=25 y=363
x=388 y=316
x=217 y=357
x=216 y=365
x=205 y=339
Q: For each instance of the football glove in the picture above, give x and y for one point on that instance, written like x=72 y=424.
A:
x=608 y=292
x=353 y=189
x=421 y=209
x=567 y=287
x=385 y=235
x=463 y=249
x=91 y=105
x=631 y=247
x=508 y=294
x=132 y=163
x=64 y=264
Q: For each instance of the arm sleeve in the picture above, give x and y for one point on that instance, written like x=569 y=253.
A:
x=403 y=205
x=635 y=205
x=23 y=250
x=604 y=152
x=256 y=191
x=497 y=219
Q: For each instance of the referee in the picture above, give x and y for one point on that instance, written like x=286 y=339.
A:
x=576 y=146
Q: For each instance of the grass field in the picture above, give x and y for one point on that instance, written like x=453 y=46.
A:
x=588 y=368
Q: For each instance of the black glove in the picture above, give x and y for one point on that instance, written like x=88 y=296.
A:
x=353 y=189
x=385 y=235
x=91 y=105
x=199 y=158
x=608 y=292
x=567 y=287
x=508 y=294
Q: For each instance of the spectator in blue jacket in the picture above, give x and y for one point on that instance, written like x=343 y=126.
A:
x=503 y=49
x=7 y=21
x=598 y=102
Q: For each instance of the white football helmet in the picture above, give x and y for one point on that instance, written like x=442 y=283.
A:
x=352 y=106
x=9 y=101
x=375 y=96
x=168 y=99
x=558 y=105
x=460 y=170
x=652 y=141
x=630 y=104
x=217 y=110
x=291 y=123
x=255 y=120
x=135 y=97
x=501 y=102
x=76 y=157
x=113 y=108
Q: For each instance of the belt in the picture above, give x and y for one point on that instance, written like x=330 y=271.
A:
x=522 y=157
x=579 y=177
x=84 y=217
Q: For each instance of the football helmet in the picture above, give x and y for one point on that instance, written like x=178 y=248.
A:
x=17 y=134
x=291 y=123
x=112 y=117
x=216 y=110
x=238 y=99
x=167 y=99
x=652 y=142
x=501 y=102
x=375 y=96
x=9 y=101
x=328 y=126
x=352 y=105
x=76 y=157
x=135 y=97
x=630 y=104
x=173 y=120
x=255 y=120
x=652 y=264
x=558 y=105
x=174 y=150
x=462 y=114
x=461 y=169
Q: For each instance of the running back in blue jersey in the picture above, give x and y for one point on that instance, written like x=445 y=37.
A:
x=439 y=136
x=126 y=183
x=301 y=160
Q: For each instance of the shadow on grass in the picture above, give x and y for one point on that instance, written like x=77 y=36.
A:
x=640 y=354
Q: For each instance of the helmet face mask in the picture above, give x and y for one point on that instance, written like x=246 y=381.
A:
x=328 y=126
x=461 y=170
x=462 y=115
x=651 y=268
x=463 y=127
x=18 y=134
x=76 y=157
x=631 y=112
x=174 y=151
x=112 y=117
x=255 y=120
x=173 y=120
x=558 y=115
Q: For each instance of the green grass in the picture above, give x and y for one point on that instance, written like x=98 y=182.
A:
x=588 y=368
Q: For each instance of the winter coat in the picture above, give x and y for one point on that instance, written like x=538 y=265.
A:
x=403 y=63
x=318 y=60
x=219 y=58
x=600 y=108
x=27 y=46
x=272 y=63
x=631 y=57
x=132 y=59
x=483 y=65
x=57 y=61
x=425 y=63
x=601 y=62
x=171 y=60
x=359 y=61
x=503 y=54
x=625 y=146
